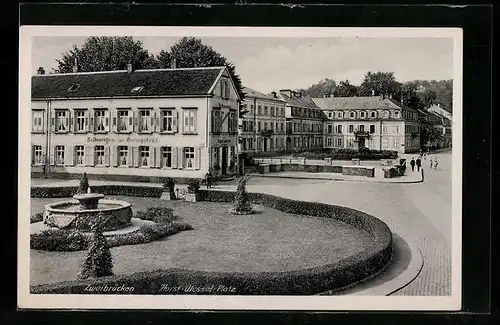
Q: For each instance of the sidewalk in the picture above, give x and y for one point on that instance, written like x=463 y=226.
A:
x=409 y=177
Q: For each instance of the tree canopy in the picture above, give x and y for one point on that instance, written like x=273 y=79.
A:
x=325 y=87
x=105 y=54
x=382 y=83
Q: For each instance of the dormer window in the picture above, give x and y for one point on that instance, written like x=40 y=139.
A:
x=352 y=114
x=137 y=89
x=74 y=87
x=374 y=114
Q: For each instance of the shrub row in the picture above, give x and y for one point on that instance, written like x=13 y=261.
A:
x=74 y=240
x=299 y=282
x=348 y=154
x=56 y=192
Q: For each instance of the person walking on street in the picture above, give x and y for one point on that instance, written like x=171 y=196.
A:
x=412 y=163
x=436 y=164
x=208 y=178
x=431 y=164
x=418 y=163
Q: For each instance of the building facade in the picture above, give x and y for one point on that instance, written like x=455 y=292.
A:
x=444 y=123
x=127 y=124
x=304 y=122
x=262 y=128
x=378 y=123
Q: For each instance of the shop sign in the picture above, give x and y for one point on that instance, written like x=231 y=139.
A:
x=121 y=140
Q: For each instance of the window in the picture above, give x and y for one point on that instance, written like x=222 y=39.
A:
x=37 y=155
x=258 y=126
x=339 y=142
x=99 y=155
x=250 y=143
x=265 y=110
x=59 y=155
x=372 y=143
x=189 y=157
x=373 y=114
x=145 y=120
x=189 y=120
x=330 y=114
x=37 y=121
x=272 y=111
x=137 y=89
x=339 y=129
x=351 y=128
x=123 y=121
x=100 y=120
x=397 y=128
x=276 y=129
x=144 y=156
x=166 y=157
x=62 y=121
x=225 y=92
x=281 y=126
x=232 y=126
x=384 y=129
x=396 y=143
x=362 y=114
x=216 y=119
x=361 y=128
x=282 y=111
x=350 y=143
x=372 y=128
x=396 y=114
x=259 y=109
x=79 y=155
x=80 y=120
x=385 y=143
x=352 y=114
x=123 y=156
x=330 y=128
x=329 y=142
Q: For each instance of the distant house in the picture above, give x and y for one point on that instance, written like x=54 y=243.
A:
x=374 y=122
x=262 y=129
x=304 y=122
x=441 y=120
x=134 y=124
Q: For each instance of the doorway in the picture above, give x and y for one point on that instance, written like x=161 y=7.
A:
x=265 y=144
x=224 y=160
x=361 y=143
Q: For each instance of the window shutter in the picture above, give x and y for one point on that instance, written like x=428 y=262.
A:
x=52 y=156
x=44 y=155
x=174 y=157
x=130 y=126
x=136 y=156
x=158 y=156
x=115 y=155
x=114 y=117
x=91 y=156
x=68 y=121
x=131 y=156
x=106 y=120
x=32 y=154
x=197 y=158
x=136 y=122
x=153 y=122
x=91 y=123
x=106 y=155
x=68 y=155
x=52 y=124
x=175 y=117
x=180 y=157
x=152 y=157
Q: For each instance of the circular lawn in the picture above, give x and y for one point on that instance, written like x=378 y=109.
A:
x=267 y=241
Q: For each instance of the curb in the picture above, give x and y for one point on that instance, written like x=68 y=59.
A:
x=391 y=286
x=341 y=179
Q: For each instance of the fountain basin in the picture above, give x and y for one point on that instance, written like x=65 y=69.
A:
x=71 y=214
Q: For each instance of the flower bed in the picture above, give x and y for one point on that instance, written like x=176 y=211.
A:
x=74 y=240
x=348 y=154
x=298 y=282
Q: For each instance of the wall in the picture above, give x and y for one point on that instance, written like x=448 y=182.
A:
x=358 y=171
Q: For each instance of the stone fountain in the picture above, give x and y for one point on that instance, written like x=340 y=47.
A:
x=86 y=209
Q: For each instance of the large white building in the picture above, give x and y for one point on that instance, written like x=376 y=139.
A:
x=262 y=128
x=375 y=122
x=134 y=124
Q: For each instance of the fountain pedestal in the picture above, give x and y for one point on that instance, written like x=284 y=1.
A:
x=88 y=201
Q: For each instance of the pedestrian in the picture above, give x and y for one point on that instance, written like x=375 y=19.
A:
x=436 y=164
x=431 y=164
x=208 y=178
x=412 y=164
x=418 y=163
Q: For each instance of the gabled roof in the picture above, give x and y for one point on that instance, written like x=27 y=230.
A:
x=303 y=101
x=154 y=82
x=251 y=93
x=355 y=103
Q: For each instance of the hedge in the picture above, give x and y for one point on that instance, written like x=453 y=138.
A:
x=56 y=192
x=348 y=154
x=298 y=282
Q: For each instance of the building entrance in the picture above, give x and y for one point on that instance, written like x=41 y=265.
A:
x=224 y=160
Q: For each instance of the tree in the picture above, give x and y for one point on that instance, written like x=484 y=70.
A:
x=383 y=83
x=408 y=92
x=428 y=97
x=190 y=52
x=345 y=89
x=105 y=54
x=241 y=203
x=98 y=261
x=428 y=132
x=325 y=87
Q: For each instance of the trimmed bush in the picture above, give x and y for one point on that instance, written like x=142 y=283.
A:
x=84 y=184
x=161 y=215
x=348 y=154
x=193 y=186
x=98 y=262
x=241 y=203
x=37 y=217
x=119 y=190
x=59 y=240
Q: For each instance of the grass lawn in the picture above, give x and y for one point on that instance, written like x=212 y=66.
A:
x=269 y=240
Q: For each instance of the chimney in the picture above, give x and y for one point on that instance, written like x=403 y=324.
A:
x=439 y=105
x=390 y=96
x=75 y=66
x=173 y=63
x=274 y=94
x=129 y=67
x=41 y=70
x=286 y=92
x=373 y=92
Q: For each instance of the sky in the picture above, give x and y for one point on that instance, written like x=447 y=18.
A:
x=270 y=64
